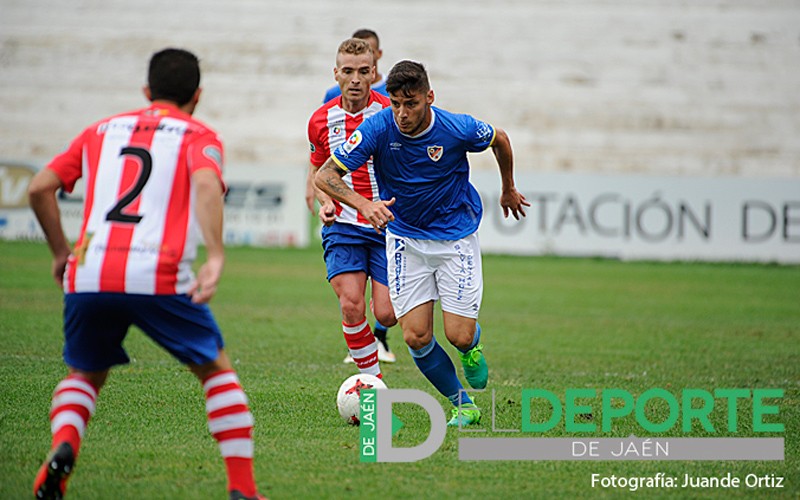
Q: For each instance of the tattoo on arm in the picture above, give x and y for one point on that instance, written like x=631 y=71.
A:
x=337 y=187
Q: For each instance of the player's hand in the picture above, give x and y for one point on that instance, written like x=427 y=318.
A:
x=58 y=269
x=205 y=286
x=513 y=201
x=378 y=214
x=327 y=213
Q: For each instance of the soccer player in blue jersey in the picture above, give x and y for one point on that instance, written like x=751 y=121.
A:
x=431 y=214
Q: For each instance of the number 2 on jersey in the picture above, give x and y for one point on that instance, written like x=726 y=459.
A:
x=115 y=214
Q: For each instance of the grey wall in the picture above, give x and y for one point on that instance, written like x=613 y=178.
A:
x=703 y=87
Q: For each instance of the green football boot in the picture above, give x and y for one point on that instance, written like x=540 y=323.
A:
x=476 y=370
x=468 y=414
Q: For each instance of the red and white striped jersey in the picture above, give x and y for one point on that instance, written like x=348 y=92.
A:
x=330 y=126
x=139 y=234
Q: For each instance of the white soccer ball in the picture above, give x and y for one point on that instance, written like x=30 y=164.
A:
x=348 y=397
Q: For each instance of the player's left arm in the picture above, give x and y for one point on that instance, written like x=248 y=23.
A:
x=510 y=199
x=209 y=212
x=205 y=157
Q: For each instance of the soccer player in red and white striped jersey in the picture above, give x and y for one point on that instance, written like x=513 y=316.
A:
x=353 y=251
x=153 y=191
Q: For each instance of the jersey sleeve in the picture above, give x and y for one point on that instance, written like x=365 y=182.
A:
x=206 y=152
x=358 y=148
x=68 y=165
x=317 y=145
x=479 y=135
x=331 y=93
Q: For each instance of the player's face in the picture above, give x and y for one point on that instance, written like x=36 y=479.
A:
x=412 y=112
x=354 y=75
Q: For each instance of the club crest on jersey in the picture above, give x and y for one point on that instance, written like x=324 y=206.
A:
x=435 y=152
x=352 y=142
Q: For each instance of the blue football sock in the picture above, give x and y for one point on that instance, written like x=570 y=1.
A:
x=435 y=364
x=475 y=340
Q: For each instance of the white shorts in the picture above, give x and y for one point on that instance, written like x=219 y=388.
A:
x=424 y=270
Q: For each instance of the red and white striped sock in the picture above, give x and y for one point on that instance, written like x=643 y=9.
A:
x=363 y=347
x=73 y=405
x=231 y=424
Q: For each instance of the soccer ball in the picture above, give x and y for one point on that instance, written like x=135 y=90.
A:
x=347 y=399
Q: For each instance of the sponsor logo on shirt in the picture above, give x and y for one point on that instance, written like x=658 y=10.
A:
x=395 y=146
x=435 y=152
x=312 y=147
x=352 y=142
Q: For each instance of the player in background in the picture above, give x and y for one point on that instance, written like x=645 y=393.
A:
x=353 y=251
x=377 y=84
x=431 y=214
x=153 y=188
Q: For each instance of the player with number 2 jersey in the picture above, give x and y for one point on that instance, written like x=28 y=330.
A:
x=138 y=234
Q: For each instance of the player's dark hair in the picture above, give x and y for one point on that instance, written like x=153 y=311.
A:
x=408 y=77
x=174 y=75
x=365 y=34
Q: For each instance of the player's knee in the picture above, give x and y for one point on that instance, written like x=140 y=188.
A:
x=352 y=309
x=461 y=339
x=417 y=339
x=386 y=317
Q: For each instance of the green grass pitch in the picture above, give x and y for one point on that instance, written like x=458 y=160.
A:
x=550 y=323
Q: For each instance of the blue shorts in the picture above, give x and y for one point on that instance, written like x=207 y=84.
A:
x=95 y=325
x=350 y=248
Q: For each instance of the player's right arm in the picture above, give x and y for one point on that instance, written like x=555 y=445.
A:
x=61 y=173
x=352 y=155
x=42 y=196
x=319 y=152
x=327 y=210
x=329 y=180
x=311 y=194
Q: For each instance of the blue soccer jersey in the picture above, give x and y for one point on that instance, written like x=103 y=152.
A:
x=427 y=174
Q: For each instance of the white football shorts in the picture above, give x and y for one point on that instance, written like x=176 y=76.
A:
x=423 y=270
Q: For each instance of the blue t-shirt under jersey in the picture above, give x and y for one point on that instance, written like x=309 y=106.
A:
x=427 y=174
